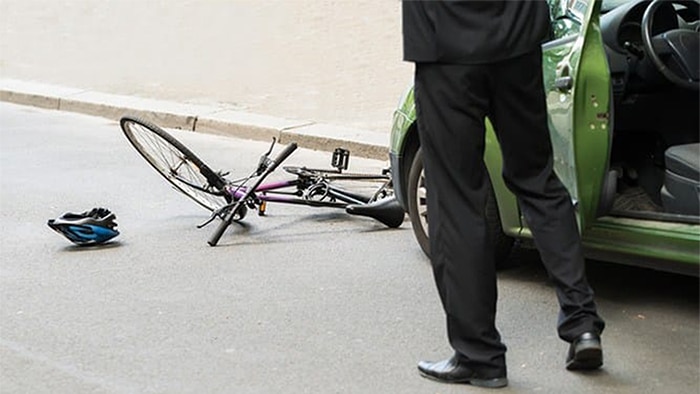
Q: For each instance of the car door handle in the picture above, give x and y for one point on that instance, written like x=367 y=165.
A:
x=564 y=83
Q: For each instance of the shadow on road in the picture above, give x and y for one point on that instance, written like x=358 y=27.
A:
x=616 y=282
x=632 y=285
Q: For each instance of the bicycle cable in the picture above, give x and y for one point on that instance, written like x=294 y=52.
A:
x=220 y=212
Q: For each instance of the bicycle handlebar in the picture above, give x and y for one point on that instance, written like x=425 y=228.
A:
x=282 y=156
x=223 y=225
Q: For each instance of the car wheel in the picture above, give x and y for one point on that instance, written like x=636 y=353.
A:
x=418 y=213
x=417 y=203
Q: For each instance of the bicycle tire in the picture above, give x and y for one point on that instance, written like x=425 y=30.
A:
x=176 y=163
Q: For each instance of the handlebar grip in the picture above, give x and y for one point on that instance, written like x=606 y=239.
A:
x=223 y=225
x=282 y=156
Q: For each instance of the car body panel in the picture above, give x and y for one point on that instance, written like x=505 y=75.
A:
x=670 y=246
x=580 y=120
x=579 y=116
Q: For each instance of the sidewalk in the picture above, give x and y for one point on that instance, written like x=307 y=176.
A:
x=216 y=119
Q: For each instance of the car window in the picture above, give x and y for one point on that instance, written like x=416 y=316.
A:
x=567 y=16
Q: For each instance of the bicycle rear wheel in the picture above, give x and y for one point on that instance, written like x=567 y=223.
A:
x=176 y=163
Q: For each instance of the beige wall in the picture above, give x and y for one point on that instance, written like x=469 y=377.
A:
x=323 y=60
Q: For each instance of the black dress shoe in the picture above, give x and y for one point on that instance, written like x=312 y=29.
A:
x=452 y=371
x=585 y=353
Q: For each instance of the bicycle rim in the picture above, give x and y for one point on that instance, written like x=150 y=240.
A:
x=176 y=163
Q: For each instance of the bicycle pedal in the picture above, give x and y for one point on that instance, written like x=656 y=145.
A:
x=341 y=158
x=262 y=209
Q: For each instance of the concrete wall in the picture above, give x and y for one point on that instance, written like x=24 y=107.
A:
x=322 y=60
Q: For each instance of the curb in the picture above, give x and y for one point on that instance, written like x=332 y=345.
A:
x=222 y=119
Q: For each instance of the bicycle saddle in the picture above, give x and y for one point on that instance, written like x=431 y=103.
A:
x=388 y=211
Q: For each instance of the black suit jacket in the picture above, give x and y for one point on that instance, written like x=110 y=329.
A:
x=472 y=31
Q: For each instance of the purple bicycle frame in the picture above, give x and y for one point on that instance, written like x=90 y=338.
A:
x=270 y=192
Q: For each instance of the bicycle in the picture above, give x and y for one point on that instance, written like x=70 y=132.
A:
x=230 y=200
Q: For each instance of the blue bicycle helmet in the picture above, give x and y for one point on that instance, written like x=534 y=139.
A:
x=88 y=228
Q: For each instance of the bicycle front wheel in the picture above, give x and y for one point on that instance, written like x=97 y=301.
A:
x=177 y=164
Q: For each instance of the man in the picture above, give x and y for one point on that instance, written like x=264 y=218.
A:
x=477 y=59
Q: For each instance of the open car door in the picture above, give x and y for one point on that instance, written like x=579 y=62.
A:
x=577 y=84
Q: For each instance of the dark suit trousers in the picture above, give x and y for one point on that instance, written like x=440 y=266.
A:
x=452 y=102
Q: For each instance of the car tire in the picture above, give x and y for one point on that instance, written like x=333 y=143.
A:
x=417 y=204
x=418 y=213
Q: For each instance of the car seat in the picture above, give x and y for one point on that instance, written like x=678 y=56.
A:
x=681 y=190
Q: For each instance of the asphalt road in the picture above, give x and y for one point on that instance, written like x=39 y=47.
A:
x=304 y=300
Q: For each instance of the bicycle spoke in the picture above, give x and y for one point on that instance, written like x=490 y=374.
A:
x=175 y=162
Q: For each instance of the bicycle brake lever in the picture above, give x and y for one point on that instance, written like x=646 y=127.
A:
x=211 y=219
x=265 y=161
x=216 y=213
x=272 y=146
x=263 y=165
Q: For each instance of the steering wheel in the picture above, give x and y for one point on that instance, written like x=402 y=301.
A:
x=682 y=44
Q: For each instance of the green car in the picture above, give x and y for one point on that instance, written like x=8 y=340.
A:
x=622 y=93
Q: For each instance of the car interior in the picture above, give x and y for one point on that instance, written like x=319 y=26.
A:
x=653 y=53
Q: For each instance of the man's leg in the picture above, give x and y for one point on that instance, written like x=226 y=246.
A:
x=451 y=102
x=520 y=119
